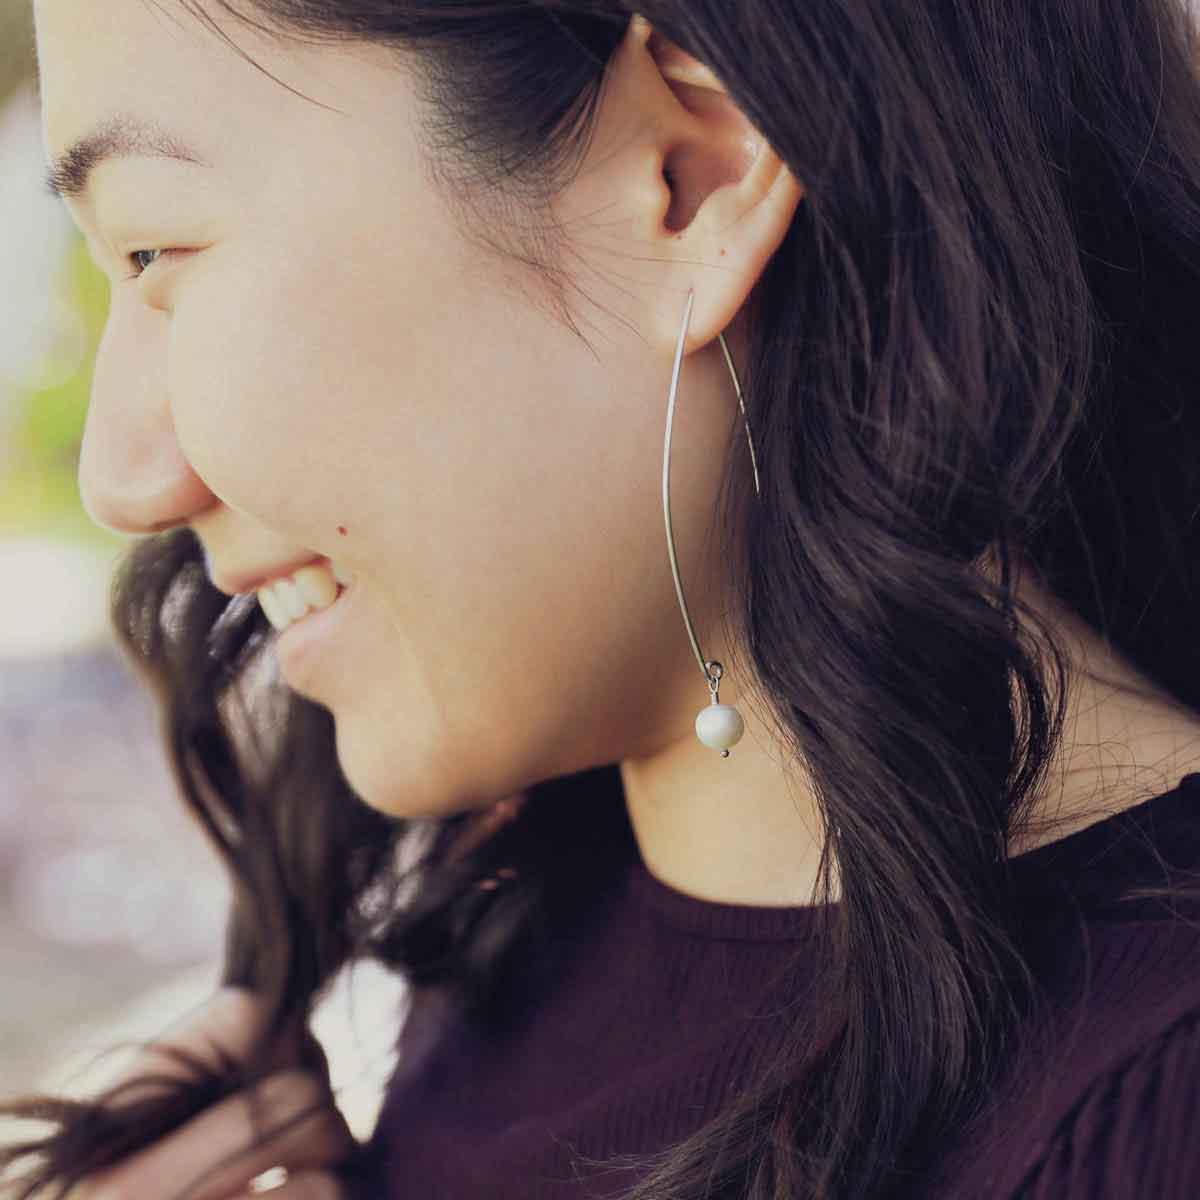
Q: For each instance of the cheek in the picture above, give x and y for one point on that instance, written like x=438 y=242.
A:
x=265 y=370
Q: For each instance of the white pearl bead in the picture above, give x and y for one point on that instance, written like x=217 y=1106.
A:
x=720 y=726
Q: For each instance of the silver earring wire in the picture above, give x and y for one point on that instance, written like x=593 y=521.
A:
x=719 y=726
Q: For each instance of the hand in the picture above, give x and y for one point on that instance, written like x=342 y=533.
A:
x=308 y=1148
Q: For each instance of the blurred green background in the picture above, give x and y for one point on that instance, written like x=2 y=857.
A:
x=38 y=490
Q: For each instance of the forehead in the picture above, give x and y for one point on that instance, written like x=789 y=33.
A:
x=149 y=58
x=271 y=113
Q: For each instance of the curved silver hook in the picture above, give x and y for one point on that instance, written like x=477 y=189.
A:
x=713 y=678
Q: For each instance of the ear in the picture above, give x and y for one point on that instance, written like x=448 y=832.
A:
x=711 y=200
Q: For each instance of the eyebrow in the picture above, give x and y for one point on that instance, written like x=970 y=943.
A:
x=122 y=136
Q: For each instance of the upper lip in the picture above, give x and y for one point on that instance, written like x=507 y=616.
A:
x=234 y=582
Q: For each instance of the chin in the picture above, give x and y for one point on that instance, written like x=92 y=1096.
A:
x=390 y=784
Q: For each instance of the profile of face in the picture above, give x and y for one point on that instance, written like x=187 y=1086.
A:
x=308 y=353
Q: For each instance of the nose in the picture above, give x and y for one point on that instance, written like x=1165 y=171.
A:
x=133 y=475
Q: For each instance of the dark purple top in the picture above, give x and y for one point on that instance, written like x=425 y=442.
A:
x=635 y=1030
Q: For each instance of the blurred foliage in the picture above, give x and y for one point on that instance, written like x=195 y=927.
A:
x=39 y=492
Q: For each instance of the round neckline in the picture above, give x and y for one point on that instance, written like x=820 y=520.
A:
x=1122 y=843
x=721 y=919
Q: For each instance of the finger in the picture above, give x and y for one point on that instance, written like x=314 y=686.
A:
x=305 y=1185
x=210 y=1145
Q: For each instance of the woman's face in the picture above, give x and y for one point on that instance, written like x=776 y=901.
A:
x=331 y=365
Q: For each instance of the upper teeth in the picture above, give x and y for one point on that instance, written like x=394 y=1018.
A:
x=312 y=587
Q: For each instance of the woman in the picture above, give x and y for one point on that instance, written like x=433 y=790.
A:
x=891 y=900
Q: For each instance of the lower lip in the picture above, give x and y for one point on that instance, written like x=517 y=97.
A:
x=298 y=648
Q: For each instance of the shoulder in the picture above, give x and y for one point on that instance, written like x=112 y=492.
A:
x=1113 y=1079
x=1101 y=1086
x=1132 y=1130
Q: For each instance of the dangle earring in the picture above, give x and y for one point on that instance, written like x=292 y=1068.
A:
x=719 y=725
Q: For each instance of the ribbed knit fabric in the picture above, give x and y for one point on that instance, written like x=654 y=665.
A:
x=638 y=1025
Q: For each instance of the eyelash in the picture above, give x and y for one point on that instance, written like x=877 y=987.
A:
x=132 y=256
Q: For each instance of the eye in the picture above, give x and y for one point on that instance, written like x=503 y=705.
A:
x=134 y=258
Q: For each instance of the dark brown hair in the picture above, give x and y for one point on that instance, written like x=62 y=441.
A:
x=975 y=344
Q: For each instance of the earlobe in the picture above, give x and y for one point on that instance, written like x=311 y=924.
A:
x=735 y=232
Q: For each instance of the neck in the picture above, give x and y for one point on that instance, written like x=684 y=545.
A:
x=747 y=829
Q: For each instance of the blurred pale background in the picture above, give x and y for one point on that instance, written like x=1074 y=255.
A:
x=111 y=903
